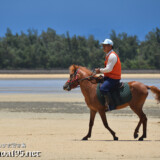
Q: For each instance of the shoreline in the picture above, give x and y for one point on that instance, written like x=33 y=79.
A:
x=66 y=76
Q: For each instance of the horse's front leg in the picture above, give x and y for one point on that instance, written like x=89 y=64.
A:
x=91 y=122
x=104 y=119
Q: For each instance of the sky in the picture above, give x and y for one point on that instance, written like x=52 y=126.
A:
x=81 y=17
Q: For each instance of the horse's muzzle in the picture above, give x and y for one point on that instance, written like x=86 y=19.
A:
x=67 y=87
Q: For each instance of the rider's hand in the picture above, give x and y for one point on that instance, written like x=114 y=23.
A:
x=97 y=70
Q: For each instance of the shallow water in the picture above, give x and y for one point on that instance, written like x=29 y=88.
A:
x=51 y=86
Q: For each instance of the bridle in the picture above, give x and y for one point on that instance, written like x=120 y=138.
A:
x=70 y=82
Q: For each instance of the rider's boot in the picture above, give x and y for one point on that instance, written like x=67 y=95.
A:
x=106 y=102
x=109 y=104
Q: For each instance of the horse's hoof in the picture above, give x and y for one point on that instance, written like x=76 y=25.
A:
x=115 y=138
x=84 y=139
x=140 y=139
x=135 y=136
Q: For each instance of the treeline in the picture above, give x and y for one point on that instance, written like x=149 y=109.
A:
x=50 y=50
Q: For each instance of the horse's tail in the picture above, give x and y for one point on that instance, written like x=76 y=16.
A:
x=155 y=91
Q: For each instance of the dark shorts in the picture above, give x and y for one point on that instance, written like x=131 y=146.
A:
x=108 y=84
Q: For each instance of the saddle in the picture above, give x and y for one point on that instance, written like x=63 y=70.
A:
x=120 y=94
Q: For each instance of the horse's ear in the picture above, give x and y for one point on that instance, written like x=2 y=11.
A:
x=75 y=67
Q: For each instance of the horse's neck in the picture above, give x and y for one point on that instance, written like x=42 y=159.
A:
x=87 y=89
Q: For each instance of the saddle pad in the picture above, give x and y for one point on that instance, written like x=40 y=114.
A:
x=119 y=96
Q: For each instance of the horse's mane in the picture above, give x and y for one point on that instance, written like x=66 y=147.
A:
x=74 y=67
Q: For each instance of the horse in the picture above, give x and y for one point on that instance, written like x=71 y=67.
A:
x=81 y=76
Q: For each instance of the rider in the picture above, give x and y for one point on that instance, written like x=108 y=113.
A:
x=112 y=72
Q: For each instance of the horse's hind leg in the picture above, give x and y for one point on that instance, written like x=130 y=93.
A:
x=143 y=120
x=104 y=120
x=139 y=95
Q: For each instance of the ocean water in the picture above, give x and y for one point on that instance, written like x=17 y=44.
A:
x=51 y=86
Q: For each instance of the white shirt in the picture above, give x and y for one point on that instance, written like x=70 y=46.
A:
x=111 y=63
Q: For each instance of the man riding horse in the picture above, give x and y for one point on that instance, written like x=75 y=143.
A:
x=134 y=97
x=112 y=72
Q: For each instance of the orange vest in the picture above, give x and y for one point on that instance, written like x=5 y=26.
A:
x=116 y=72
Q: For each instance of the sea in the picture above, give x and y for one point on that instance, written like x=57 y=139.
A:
x=51 y=86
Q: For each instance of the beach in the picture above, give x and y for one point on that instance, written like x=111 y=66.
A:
x=58 y=136
x=55 y=129
x=54 y=124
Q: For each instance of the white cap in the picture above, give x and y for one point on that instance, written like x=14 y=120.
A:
x=108 y=41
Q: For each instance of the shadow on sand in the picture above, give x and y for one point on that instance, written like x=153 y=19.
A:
x=117 y=141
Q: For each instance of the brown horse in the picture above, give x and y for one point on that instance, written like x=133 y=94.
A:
x=80 y=75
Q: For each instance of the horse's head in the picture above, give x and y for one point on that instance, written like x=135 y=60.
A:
x=73 y=80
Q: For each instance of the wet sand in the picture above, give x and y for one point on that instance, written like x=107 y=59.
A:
x=151 y=108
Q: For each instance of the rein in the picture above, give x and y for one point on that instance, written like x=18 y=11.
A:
x=89 y=78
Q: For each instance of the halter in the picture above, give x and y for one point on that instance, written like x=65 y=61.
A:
x=75 y=79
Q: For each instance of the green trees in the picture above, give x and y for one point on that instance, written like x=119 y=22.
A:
x=48 y=50
x=138 y=55
x=150 y=49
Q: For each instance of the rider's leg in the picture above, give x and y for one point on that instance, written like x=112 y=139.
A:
x=107 y=85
